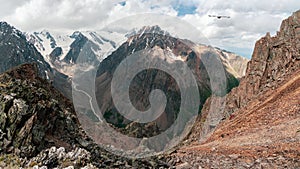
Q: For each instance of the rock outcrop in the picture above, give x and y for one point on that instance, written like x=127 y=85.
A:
x=33 y=115
x=273 y=60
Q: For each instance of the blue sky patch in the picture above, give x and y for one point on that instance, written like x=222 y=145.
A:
x=184 y=10
x=245 y=52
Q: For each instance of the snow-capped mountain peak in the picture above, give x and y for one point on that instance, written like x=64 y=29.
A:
x=61 y=49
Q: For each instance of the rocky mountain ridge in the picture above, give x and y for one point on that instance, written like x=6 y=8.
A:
x=39 y=127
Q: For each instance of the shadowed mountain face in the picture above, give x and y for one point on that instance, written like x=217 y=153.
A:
x=15 y=50
x=162 y=47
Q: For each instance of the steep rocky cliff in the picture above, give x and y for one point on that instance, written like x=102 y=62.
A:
x=259 y=120
x=273 y=60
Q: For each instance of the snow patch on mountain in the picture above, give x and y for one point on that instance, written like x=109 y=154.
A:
x=46 y=41
x=107 y=42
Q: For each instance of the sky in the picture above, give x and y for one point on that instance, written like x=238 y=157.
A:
x=249 y=20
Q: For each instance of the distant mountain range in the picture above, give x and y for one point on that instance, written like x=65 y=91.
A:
x=61 y=50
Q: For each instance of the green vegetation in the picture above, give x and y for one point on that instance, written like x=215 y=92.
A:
x=114 y=118
x=232 y=82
